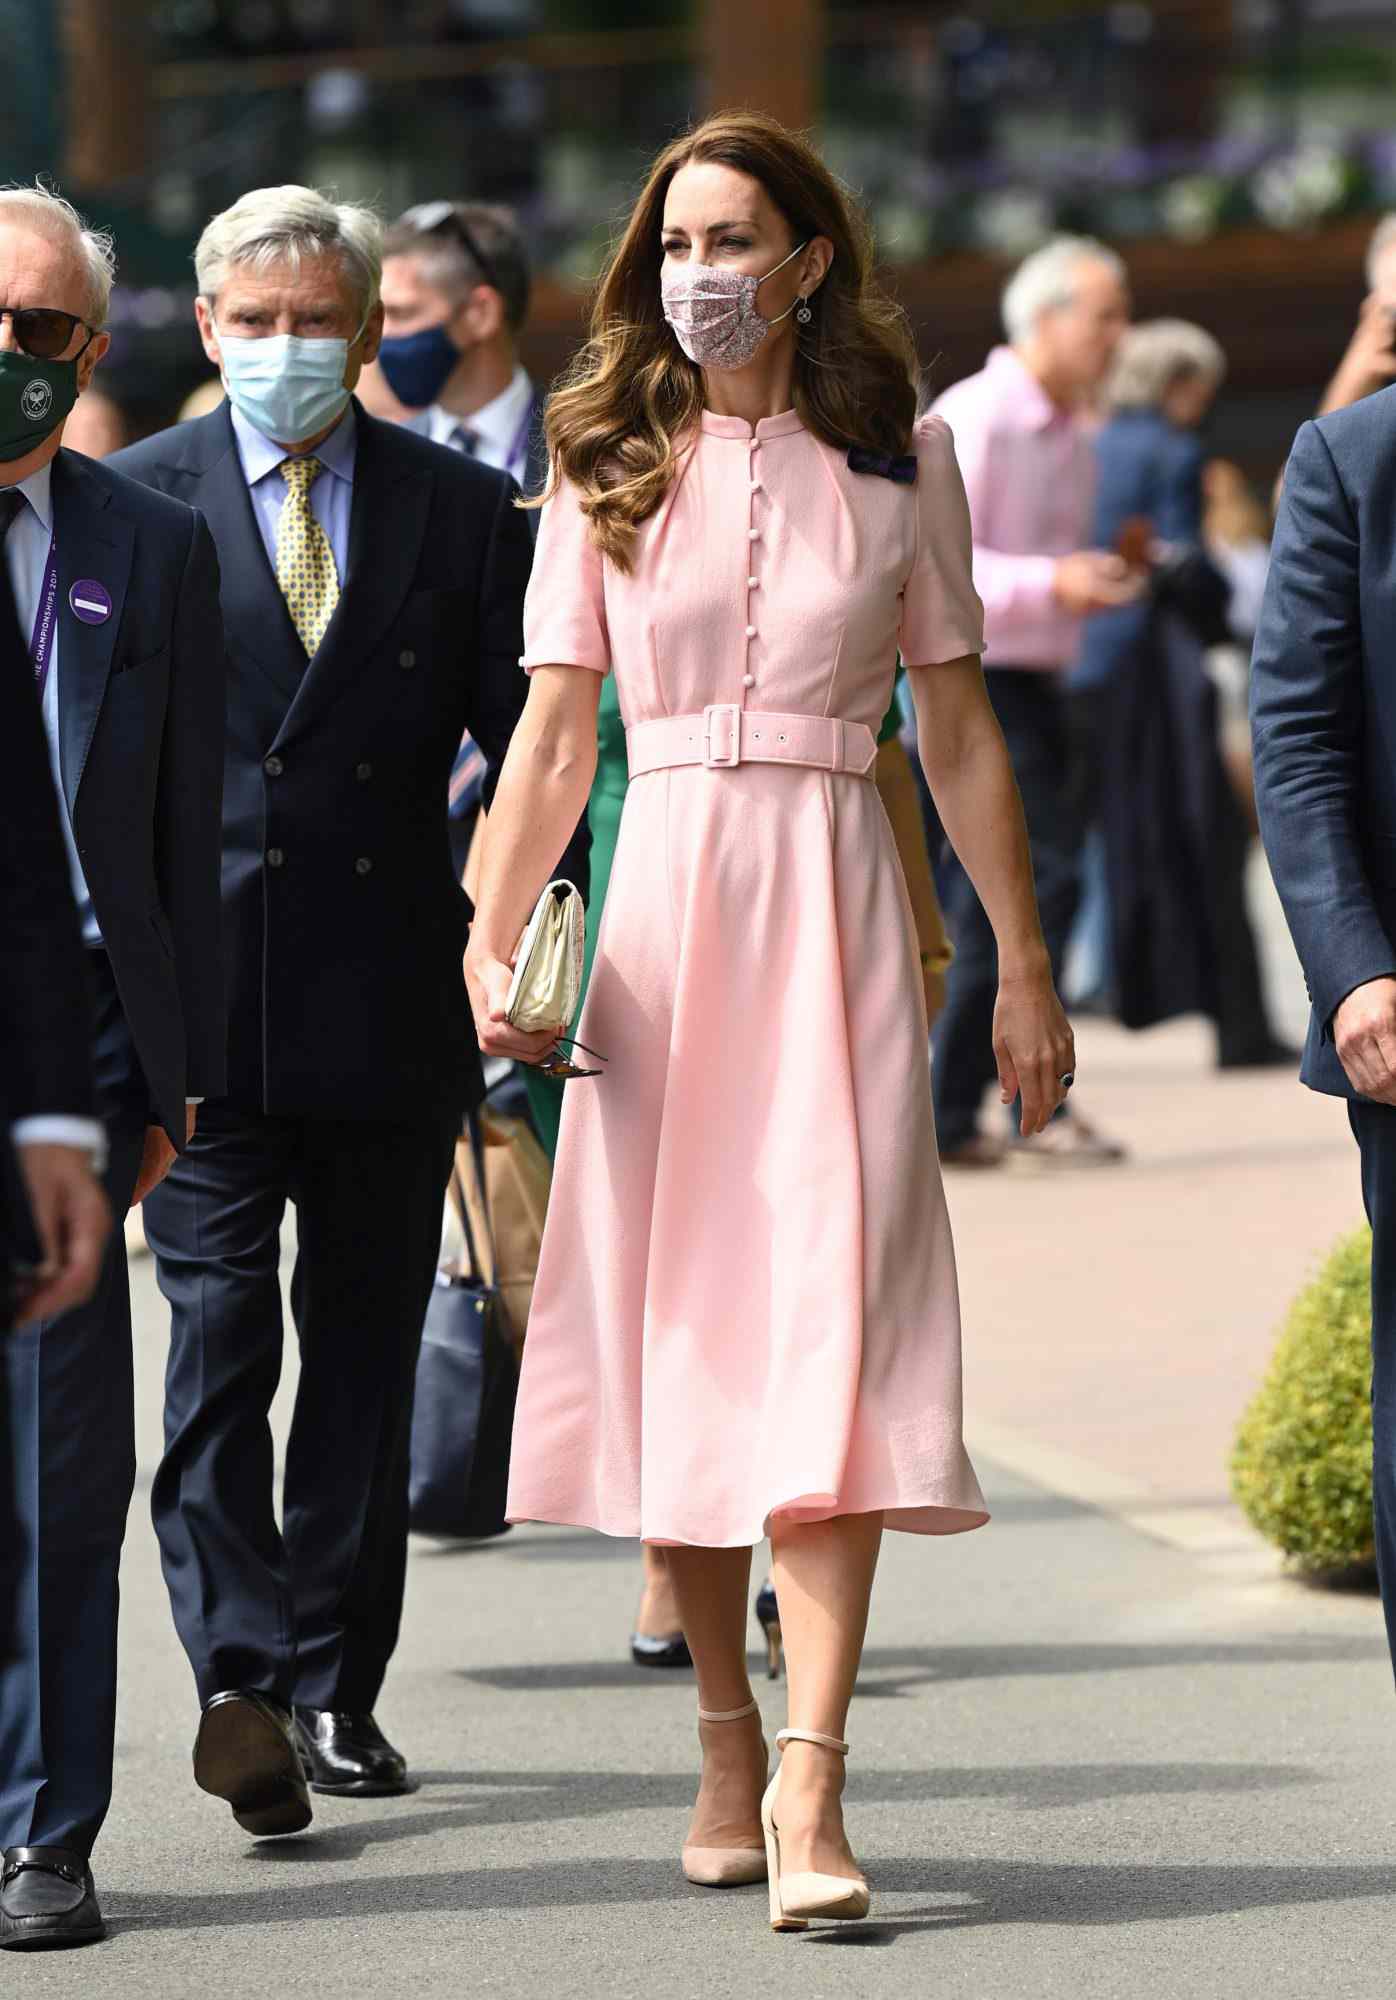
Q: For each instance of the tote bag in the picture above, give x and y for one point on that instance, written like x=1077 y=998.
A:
x=467 y=1382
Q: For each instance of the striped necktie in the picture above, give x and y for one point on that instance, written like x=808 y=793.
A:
x=305 y=565
x=468 y=771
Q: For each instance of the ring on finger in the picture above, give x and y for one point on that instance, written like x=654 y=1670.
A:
x=1066 y=1079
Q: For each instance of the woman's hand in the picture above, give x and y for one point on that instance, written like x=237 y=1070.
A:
x=487 y=982
x=1033 y=1047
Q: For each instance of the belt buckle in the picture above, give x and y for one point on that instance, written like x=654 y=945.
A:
x=712 y=761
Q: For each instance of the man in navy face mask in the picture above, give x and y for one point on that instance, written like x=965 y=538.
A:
x=456 y=288
x=455 y=298
x=372 y=592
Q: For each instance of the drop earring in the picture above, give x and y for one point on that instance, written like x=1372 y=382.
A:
x=804 y=315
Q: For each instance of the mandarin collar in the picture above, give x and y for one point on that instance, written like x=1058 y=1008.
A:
x=737 y=428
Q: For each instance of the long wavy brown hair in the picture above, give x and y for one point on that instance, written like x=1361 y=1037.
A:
x=623 y=411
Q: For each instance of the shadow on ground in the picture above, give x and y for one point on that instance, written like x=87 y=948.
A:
x=970 y=1894
x=891 y=1670
x=497 y=1798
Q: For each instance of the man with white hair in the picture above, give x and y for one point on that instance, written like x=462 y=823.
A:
x=372 y=592
x=1369 y=363
x=117 y=590
x=1024 y=448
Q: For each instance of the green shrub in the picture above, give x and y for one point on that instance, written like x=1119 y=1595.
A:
x=1302 y=1466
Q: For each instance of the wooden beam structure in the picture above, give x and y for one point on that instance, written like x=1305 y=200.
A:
x=764 y=55
x=107 y=76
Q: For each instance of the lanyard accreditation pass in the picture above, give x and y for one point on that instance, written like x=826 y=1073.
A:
x=518 y=450
x=41 y=642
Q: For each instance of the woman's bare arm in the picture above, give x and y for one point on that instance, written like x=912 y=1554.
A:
x=542 y=793
x=967 y=768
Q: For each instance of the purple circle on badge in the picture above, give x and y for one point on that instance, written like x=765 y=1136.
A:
x=90 y=601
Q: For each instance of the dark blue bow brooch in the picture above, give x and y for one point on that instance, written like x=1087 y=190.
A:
x=903 y=470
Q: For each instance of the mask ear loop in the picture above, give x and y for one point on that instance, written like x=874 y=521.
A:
x=805 y=315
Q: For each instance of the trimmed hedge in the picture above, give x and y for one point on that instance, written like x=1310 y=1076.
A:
x=1302 y=1465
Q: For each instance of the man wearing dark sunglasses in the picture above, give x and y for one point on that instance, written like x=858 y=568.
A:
x=117 y=591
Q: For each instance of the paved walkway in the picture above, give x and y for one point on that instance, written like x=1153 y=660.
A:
x=1088 y=1760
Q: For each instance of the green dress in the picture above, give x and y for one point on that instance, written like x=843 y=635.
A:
x=603 y=813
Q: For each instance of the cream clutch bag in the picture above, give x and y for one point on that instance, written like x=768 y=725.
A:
x=547 y=980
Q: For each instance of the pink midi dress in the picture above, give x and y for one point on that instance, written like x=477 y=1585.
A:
x=746 y=1303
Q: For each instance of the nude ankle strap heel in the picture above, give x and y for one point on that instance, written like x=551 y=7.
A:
x=796 y=1898
x=729 y=1714
x=725 y=1867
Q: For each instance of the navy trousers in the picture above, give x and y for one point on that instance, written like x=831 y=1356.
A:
x=1374 y=1126
x=1032 y=712
x=307 y=1611
x=70 y=1412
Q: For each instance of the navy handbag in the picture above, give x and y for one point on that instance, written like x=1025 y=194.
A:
x=467 y=1381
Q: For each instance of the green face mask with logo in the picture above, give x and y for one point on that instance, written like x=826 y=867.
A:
x=35 y=397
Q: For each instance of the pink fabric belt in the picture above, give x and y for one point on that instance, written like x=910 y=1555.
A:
x=724 y=735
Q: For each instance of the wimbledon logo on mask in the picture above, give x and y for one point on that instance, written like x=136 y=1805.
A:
x=37 y=400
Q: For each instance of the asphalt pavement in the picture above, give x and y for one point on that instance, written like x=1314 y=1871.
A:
x=1094 y=1752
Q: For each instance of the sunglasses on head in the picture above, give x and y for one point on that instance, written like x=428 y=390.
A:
x=430 y=218
x=43 y=332
x=561 y=1067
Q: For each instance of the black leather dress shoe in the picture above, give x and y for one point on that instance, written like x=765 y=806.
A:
x=47 y=1900
x=246 y=1753
x=349 y=1755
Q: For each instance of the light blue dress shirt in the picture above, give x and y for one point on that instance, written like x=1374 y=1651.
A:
x=331 y=497
x=26 y=557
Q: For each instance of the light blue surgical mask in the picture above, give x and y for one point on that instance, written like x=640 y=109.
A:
x=288 y=388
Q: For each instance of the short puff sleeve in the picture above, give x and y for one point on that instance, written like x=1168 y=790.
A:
x=942 y=617
x=565 y=607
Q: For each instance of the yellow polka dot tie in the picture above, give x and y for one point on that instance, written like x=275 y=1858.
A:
x=304 y=559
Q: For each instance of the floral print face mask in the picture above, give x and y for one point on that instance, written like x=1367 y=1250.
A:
x=714 y=313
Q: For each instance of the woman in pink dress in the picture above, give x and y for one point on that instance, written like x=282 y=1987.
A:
x=746 y=1320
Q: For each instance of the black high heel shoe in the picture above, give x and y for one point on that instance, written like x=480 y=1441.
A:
x=671 y=1652
x=768 y=1618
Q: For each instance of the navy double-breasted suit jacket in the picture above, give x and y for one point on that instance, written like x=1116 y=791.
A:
x=140 y=722
x=1323 y=712
x=345 y=923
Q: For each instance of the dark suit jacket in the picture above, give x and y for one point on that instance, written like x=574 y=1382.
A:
x=575 y=864
x=345 y=923
x=141 y=716
x=1146 y=467
x=535 y=471
x=45 y=1038
x=1323 y=712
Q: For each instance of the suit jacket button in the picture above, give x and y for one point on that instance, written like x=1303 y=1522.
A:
x=275 y=857
x=363 y=772
x=273 y=767
x=407 y=658
x=363 y=866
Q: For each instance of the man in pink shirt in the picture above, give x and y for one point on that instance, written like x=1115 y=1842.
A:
x=1023 y=439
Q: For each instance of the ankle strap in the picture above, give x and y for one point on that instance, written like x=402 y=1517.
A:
x=811 y=1736
x=729 y=1714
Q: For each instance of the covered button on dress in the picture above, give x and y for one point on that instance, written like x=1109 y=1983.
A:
x=746 y=1303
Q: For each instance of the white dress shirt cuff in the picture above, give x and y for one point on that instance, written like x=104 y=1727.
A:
x=60 y=1129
